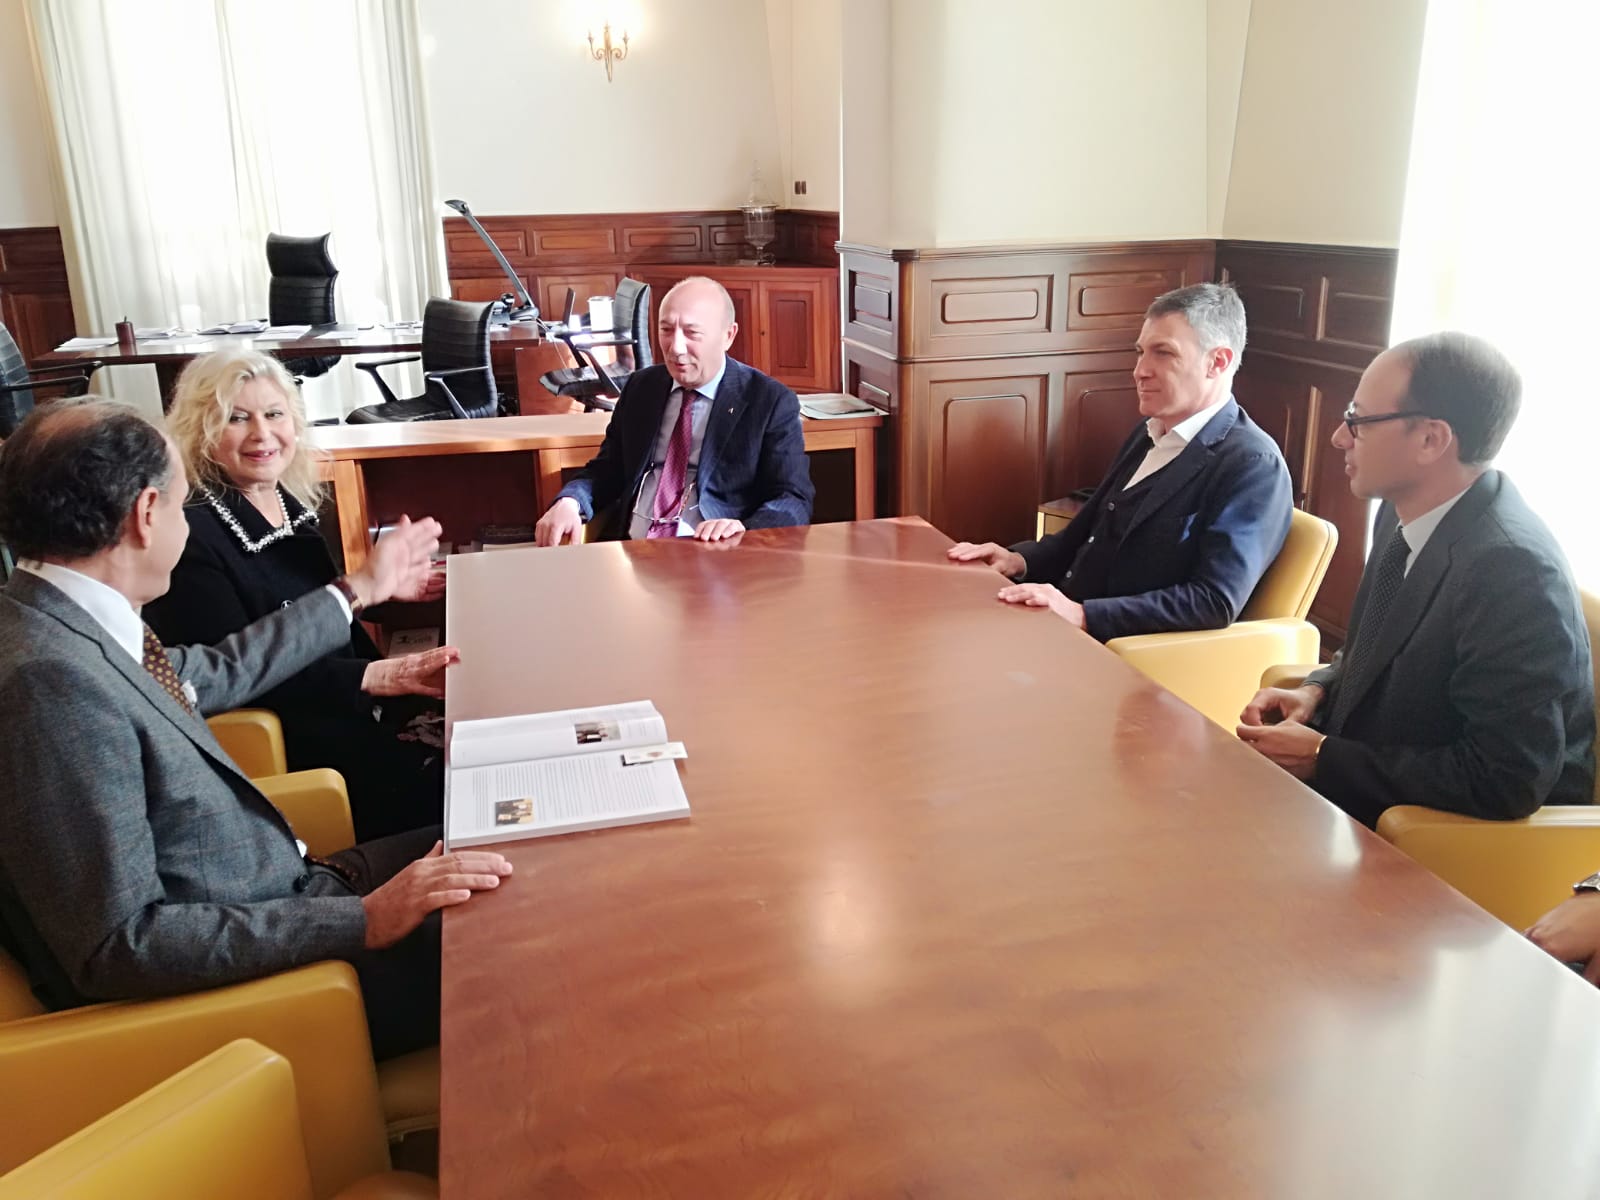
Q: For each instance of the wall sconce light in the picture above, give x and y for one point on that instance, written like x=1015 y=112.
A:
x=608 y=52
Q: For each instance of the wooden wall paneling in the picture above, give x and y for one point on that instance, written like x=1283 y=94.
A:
x=550 y=290
x=1051 y=301
x=870 y=307
x=971 y=447
x=1327 y=304
x=1098 y=409
x=1317 y=316
x=35 y=299
x=796 y=332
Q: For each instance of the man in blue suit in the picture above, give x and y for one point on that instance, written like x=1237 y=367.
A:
x=728 y=458
x=1193 y=510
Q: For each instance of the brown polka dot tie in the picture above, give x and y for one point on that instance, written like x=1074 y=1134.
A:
x=160 y=666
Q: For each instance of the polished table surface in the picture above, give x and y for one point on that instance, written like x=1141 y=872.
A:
x=966 y=908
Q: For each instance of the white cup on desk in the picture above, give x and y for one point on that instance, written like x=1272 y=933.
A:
x=599 y=314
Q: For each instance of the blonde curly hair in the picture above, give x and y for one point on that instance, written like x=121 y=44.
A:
x=203 y=400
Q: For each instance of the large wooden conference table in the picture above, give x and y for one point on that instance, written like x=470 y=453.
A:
x=966 y=908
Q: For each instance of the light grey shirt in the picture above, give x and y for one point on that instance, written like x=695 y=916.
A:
x=1418 y=531
x=689 y=516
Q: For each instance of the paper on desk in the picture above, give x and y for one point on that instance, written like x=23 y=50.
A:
x=152 y=335
x=237 y=327
x=87 y=343
x=282 y=333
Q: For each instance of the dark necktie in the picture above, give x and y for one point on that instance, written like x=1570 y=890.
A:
x=155 y=661
x=1387 y=575
x=668 y=504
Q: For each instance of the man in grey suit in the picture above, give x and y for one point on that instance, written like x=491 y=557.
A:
x=137 y=859
x=1465 y=682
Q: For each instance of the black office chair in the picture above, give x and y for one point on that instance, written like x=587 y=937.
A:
x=17 y=382
x=302 y=292
x=455 y=364
x=598 y=385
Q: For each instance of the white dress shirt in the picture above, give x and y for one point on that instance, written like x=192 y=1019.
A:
x=1167 y=446
x=699 y=414
x=1419 y=530
x=111 y=610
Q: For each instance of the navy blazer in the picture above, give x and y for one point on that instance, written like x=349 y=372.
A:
x=1479 y=694
x=752 y=466
x=1211 y=523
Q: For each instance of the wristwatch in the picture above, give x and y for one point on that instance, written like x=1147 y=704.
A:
x=1591 y=884
x=348 y=591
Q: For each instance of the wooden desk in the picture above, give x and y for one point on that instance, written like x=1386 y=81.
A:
x=379 y=472
x=966 y=908
x=519 y=353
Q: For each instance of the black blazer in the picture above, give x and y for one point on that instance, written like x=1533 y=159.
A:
x=1214 y=519
x=752 y=460
x=1480 y=697
x=220 y=585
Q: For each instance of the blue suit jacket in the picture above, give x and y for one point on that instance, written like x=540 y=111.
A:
x=1213 y=520
x=752 y=459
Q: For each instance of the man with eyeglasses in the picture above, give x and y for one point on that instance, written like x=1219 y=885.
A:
x=1465 y=681
x=700 y=446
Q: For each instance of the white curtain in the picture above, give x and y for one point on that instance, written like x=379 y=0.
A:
x=1497 y=237
x=187 y=130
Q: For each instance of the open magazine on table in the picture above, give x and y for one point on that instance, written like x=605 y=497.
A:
x=560 y=772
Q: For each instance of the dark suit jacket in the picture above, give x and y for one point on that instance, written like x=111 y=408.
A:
x=1214 y=519
x=752 y=459
x=1480 y=697
x=137 y=860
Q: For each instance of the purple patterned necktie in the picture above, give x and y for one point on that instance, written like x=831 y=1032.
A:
x=668 y=504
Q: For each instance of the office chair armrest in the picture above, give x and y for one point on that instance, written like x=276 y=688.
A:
x=35 y=380
x=371 y=368
x=86 y=368
x=1216 y=670
x=253 y=738
x=450 y=371
x=1518 y=870
x=317 y=806
x=1290 y=675
x=312 y=1016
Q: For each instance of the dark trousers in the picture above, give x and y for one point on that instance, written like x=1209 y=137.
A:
x=400 y=984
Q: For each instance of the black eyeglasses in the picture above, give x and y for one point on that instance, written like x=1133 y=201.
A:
x=1352 y=422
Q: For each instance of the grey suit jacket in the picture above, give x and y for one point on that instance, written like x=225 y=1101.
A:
x=136 y=859
x=1480 y=694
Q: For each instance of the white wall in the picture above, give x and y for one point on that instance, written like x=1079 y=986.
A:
x=865 y=135
x=26 y=197
x=1324 y=128
x=1227 y=30
x=523 y=121
x=1048 y=120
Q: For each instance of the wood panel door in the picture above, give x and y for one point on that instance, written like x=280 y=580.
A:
x=747 y=347
x=794 y=332
x=1099 y=408
x=983 y=438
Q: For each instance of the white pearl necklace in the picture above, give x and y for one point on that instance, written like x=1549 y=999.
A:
x=255 y=546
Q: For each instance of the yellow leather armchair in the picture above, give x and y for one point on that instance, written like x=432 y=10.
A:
x=306 y=1015
x=1517 y=870
x=227 y=1125
x=1216 y=670
x=253 y=738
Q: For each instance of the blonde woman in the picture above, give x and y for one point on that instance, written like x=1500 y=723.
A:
x=254 y=546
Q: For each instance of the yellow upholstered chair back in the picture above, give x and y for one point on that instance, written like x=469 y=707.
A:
x=16 y=997
x=1291 y=582
x=226 y=1126
x=253 y=738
